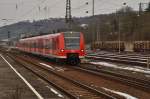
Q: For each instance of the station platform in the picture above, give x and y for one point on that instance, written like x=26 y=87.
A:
x=11 y=86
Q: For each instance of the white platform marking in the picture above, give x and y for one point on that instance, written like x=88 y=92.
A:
x=25 y=81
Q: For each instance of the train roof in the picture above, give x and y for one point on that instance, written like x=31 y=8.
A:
x=41 y=36
x=46 y=36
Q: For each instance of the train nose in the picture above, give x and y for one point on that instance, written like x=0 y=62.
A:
x=73 y=58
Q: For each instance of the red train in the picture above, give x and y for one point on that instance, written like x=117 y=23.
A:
x=68 y=46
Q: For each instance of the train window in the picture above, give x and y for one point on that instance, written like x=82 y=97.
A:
x=71 y=34
x=34 y=44
x=48 y=44
x=40 y=44
x=72 y=40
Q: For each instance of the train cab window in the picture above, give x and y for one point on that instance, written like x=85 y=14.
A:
x=72 y=40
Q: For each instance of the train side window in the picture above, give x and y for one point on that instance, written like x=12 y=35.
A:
x=41 y=44
x=31 y=44
x=46 y=44
x=53 y=44
x=37 y=45
x=50 y=45
x=34 y=44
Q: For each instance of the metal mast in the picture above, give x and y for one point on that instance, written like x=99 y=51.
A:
x=68 y=14
x=93 y=8
x=140 y=8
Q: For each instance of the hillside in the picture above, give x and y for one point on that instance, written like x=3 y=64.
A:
x=104 y=27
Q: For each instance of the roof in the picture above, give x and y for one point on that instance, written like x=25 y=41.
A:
x=42 y=36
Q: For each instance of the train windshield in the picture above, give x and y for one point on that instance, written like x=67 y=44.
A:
x=72 y=40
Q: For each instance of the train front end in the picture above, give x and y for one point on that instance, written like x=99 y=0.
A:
x=73 y=47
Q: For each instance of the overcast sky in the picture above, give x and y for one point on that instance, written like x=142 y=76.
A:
x=19 y=10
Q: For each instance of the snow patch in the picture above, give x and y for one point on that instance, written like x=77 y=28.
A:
x=127 y=96
x=60 y=69
x=47 y=66
x=104 y=64
x=135 y=69
x=55 y=92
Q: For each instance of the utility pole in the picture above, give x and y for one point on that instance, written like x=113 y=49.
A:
x=93 y=9
x=118 y=19
x=140 y=8
x=141 y=5
x=139 y=21
x=140 y=13
x=119 y=29
x=93 y=13
x=8 y=35
x=68 y=14
x=92 y=21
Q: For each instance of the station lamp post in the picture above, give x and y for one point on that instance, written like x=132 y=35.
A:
x=92 y=23
x=119 y=30
x=8 y=32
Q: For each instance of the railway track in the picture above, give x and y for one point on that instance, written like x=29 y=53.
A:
x=111 y=76
x=127 y=60
x=129 y=55
x=134 y=82
x=72 y=88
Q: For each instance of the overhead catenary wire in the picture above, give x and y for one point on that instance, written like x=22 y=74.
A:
x=84 y=5
x=87 y=6
x=99 y=5
x=37 y=6
x=30 y=10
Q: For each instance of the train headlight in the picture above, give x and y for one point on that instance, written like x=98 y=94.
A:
x=82 y=50
x=62 y=50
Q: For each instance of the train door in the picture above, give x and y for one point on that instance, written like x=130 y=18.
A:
x=44 y=44
x=34 y=46
x=54 y=46
x=41 y=46
x=37 y=46
x=48 y=46
x=28 y=46
x=31 y=46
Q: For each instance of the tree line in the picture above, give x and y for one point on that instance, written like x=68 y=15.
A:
x=130 y=25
